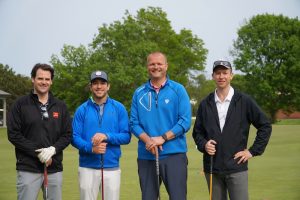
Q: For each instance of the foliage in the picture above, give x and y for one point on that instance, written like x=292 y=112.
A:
x=14 y=84
x=121 y=49
x=72 y=75
x=198 y=90
x=239 y=82
x=267 y=51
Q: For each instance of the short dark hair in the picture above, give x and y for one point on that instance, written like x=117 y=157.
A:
x=44 y=67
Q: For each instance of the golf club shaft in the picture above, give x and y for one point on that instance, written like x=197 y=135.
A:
x=157 y=170
x=102 y=177
x=210 y=178
x=45 y=181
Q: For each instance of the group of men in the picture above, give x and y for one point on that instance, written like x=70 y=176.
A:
x=40 y=128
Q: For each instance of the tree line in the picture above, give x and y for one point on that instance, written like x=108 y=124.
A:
x=266 y=52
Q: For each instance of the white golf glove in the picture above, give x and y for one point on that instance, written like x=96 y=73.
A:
x=45 y=153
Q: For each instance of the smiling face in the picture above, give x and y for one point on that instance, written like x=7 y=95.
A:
x=99 y=89
x=157 y=66
x=42 y=82
x=222 y=77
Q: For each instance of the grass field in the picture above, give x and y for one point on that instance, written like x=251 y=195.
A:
x=273 y=176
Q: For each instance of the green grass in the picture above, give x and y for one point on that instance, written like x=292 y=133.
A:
x=288 y=122
x=273 y=176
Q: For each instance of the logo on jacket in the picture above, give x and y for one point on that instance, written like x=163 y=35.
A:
x=167 y=101
x=55 y=115
x=145 y=101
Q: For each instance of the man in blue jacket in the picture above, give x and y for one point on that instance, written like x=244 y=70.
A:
x=100 y=126
x=221 y=130
x=160 y=119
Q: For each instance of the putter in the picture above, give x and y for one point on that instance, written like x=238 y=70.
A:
x=45 y=182
x=102 y=181
x=210 y=178
x=157 y=169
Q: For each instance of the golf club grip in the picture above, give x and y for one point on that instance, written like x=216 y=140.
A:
x=211 y=176
x=157 y=161
x=157 y=169
x=45 y=176
x=211 y=164
x=45 y=181
x=102 y=177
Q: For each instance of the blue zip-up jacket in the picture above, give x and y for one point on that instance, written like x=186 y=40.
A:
x=156 y=113
x=88 y=121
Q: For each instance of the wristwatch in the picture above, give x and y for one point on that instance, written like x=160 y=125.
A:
x=164 y=136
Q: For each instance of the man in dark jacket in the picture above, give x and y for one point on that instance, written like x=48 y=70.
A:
x=221 y=131
x=39 y=126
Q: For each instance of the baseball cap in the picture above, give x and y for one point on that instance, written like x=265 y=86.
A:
x=99 y=75
x=222 y=63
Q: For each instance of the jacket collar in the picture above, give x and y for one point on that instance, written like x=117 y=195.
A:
x=36 y=98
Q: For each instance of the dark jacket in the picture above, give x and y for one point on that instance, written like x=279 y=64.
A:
x=242 y=112
x=27 y=131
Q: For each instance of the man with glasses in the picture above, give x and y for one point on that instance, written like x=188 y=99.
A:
x=100 y=128
x=221 y=133
x=39 y=126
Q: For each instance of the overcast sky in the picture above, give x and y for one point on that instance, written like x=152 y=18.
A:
x=32 y=30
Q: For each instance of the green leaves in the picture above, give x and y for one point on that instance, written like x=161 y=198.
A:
x=268 y=52
x=121 y=49
x=14 y=84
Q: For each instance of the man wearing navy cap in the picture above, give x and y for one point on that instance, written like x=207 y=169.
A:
x=221 y=132
x=100 y=126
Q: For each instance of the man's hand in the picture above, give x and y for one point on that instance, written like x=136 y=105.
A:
x=210 y=147
x=49 y=162
x=100 y=148
x=158 y=141
x=150 y=145
x=45 y=154
x=98 y=138
x=243 y=156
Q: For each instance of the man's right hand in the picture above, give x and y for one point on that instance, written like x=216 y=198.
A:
x=100 y=148
x=210 y=147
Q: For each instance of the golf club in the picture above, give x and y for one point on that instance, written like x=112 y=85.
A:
x=210 y=178
x=157 y=169
x=102 y=181
x=45 y=182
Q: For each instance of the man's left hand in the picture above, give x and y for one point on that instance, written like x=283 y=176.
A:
x=243 y=156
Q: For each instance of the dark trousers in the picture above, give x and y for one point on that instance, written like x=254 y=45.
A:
x=173 y=173
x=235 y=185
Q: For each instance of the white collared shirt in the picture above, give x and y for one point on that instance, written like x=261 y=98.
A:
x=222 y=107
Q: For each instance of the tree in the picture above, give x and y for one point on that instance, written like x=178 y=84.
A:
x=121 y=49
x=72 y=75
x=239 y=82
x=15 y=84
x=198 y=89
x=267 y=51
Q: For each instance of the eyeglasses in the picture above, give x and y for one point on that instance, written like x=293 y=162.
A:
x=44 y=112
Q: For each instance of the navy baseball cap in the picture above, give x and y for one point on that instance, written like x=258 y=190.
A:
x=99 y=75
x=223 y=63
